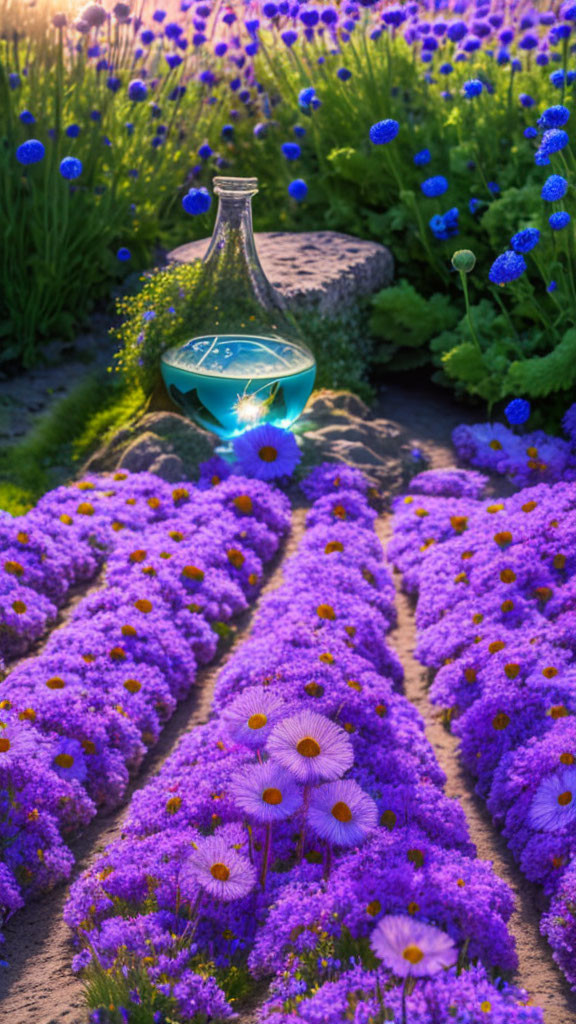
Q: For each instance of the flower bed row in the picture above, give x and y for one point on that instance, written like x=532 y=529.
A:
x=77 y=719
x=496 y=585
x=302 y=835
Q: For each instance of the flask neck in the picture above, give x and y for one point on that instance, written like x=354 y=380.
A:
x=233 y=235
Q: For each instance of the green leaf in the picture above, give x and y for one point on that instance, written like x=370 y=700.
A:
x=541 y=375
x=403 y=316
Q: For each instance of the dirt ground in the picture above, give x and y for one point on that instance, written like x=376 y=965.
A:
x=38 y=986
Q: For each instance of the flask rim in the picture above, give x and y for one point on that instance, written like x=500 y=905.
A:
x=235 y=187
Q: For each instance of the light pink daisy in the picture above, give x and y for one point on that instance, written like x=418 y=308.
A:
x=411 y=947
x=554 y=802
x=219 y=870
x=311 y=746
x=266 y=792
x=250 y=717
x=342 y=813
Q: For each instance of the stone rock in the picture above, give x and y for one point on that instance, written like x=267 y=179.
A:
x=319 y=270
x=159 y=442
x=338 y=427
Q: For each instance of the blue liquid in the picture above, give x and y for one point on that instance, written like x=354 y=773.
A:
x=229 y=384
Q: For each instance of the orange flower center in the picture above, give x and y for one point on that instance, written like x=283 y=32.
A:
x=268 y=453
x=272 y=796
x=220 y=872
x=4 y=744
x=132 y=685
x=341 y=811
x=333 y=545
x=56 y=683
x=64 y=760
x=565 y=798
x=308 y=747
x=19 y=607
x=236 y=558
x=257 y=721
x=413 y=954
x=192 y=572
x=243 y=503
x=325 y=611
x=143 y=605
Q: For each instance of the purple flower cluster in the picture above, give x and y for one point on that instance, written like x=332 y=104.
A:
x=77 y=719
x=496 y=584
x=528 y=458
x=307 y=811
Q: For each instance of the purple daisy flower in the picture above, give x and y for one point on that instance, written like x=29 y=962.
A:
x=16 y=743
x=411 y=947
x=266 y=792
x=69 y=761
x=250 y=718
x=219 y=870
x=267 y=452
x=554 y=803
x=311 y=747
x=342 y=813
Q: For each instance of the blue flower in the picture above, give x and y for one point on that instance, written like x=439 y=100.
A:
x=267 y=452
x=147 y=37
x=446 y=69
x=435 y=186
x=70 y=168
x=422 y=158
x=123 y=254
x=228 y=131
x=555 y=187
x=559 y=220
x=113 y=83
x=289 y=37
x=473 y=204
x=197 y=201
x=14 y=80
x=384 y=131
x=526 y=100
x=73 y=131
x=344 y=74
x=291 y=151
x=554 y=117
x=299 y=131
x=298 y=189
x=507 y=267
x=472 y=88
x=149 y=315
x=137 y=90
x=530 y=133
x=552 y=286
x=205 y=151
x=494 y=187
x=517 y=411
x=553 y=141
x=444 y=225
x=27 y=117
x=305 y=97
x=30 y=152
x=524 y=241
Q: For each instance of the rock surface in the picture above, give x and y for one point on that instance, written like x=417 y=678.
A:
x=160 y=442
x=319 y=270
x=338 y=426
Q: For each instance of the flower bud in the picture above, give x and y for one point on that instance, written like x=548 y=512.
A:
x=464 y=261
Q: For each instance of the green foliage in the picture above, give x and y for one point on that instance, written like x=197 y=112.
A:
x=404 y=317
x=540 y=376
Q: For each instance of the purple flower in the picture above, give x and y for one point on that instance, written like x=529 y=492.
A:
x=311 y=747
x=219 y=870
x=553 y=805
x=412 y=948
x=250 y=718
x=267 y=452
x=137 y=90
x=266 y=792
x=342 y=813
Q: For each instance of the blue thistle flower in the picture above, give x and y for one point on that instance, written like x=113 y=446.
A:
x=554 y=117
x=113 y=83
x=553 y=141
x=472 y=88
x=554 y=188
x=344 y=74
x=384 y=131
x=30 y=152
x=507 y=267
x=289 y=37
x=552 y=286
x=291 y=151
x=205 y=151
x=137 y=90
x=435 y=186
x=197 y=201
x=530 y=133
x=123 y=254
x=422 y=158
x=70 y=168
x=147 y=37
x=517 y=412
x=298 y=189
x=526 y=240
x=559 y=220
x=27 y=117
x=73 y=131
x=14 y=80
x=306 y=96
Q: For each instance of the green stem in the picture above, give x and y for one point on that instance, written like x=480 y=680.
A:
x=464 y=280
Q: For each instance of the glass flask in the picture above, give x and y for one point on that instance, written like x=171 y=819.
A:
x=246 y=363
